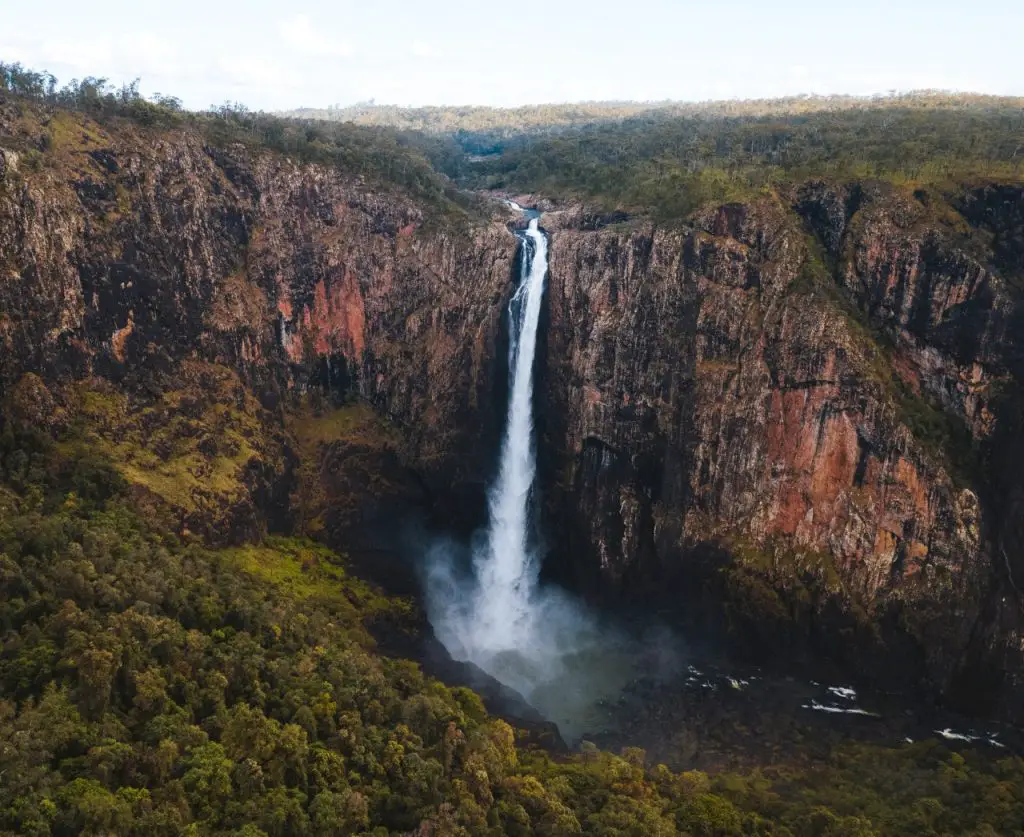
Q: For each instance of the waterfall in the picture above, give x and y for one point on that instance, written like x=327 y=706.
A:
x=506 y=569
x=539 y=640
x=493 y=618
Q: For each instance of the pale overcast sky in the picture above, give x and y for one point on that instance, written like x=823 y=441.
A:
x=278 y=55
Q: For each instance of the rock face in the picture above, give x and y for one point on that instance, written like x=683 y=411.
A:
x=805 y=410
x=123 y=255
x=795 y=398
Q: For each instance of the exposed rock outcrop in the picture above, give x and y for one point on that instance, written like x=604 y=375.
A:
x=810 y=391
x=125 y=254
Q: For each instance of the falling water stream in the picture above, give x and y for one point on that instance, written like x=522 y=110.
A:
x=506 y=568
x=537 y=640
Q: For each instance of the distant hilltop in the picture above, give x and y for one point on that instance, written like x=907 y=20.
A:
x=542 y=117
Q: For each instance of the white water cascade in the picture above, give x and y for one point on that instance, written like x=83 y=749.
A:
x=506 y=570
x=493 y=619
x=538 y=640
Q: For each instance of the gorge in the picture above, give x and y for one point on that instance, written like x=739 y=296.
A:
x=787 y=424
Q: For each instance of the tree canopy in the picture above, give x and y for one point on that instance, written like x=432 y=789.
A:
x=152 y=685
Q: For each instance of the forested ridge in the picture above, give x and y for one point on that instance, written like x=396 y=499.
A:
x=550 y=117
x=671 y=167
x=386 y=158
x=670 y=158
x=666 y=158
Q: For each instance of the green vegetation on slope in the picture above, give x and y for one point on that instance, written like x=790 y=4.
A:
x=672 y=166
x=191 y=447
x=150 y=685
x=384 y=157
x=544 y=118
x=665 y=158
x=669 y=158
x=367 y=443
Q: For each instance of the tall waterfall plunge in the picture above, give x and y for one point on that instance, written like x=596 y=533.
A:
x=506 y=569
x=491 y=619
x=538 y=640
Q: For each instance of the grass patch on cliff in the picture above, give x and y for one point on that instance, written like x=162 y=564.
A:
x=783 y=559
x=778 y=598
x=61 y=140
x=314 y=426
x=72 y=132
x=190 y=447
x=778 y=578
x=318 y=428
x=941 y=433
x=303 y=569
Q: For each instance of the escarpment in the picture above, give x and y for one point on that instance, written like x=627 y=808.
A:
x=799 y=405
x=805 y=408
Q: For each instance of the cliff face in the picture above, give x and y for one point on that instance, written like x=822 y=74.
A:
x=793 y=407
x=126 y=254
x=805 y=408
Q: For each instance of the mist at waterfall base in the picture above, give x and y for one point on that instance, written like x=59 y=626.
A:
x=487 y=607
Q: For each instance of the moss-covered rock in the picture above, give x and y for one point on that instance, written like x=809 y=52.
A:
x=341 y=451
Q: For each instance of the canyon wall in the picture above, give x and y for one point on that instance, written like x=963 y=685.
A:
x=124 y=254
x=794 y=407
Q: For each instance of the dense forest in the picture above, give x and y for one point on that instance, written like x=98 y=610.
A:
x=151 y=685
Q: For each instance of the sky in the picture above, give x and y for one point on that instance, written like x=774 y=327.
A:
x=273 y=55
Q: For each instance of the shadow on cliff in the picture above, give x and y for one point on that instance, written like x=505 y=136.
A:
x=993 y=659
